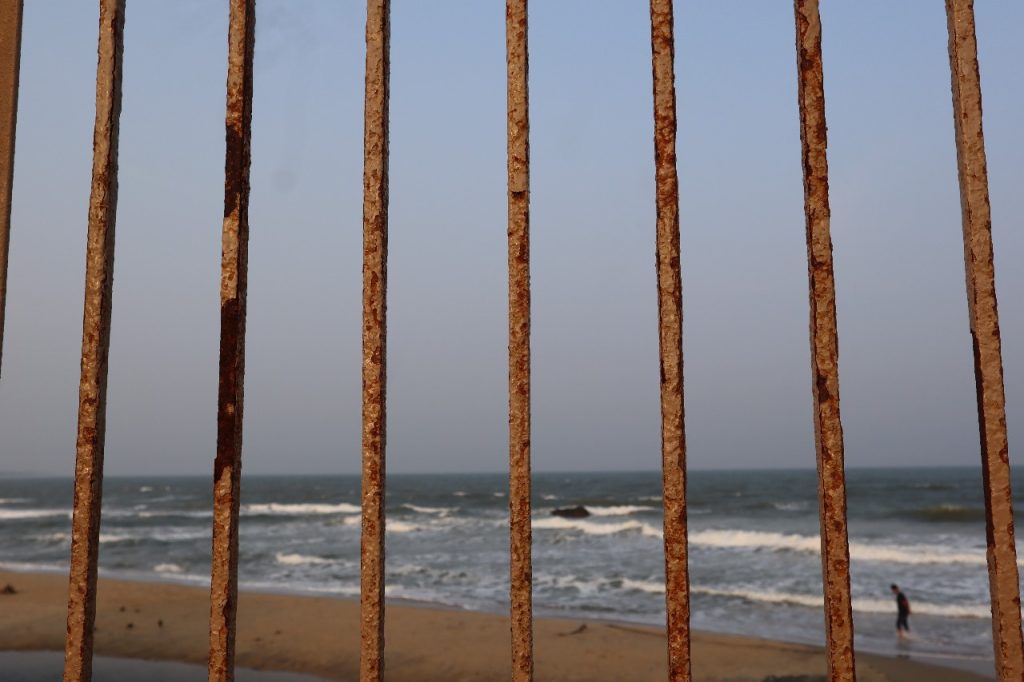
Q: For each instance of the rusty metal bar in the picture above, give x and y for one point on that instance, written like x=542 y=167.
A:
x=375 y=279
x=92 y=400
x=233 y=289
x=670 y=343
x=828 y=429
x=10 y=61
x=520 y=531
x=1004 y=582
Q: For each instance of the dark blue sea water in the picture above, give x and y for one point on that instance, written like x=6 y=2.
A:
x=754 y=547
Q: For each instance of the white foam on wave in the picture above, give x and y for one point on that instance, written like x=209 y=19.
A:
x=595 y=527
x=402 y=527
x=56 y=537
x=861 y=551
x=549 y=497
x=168 y=568
x=300 y=509
x=179 y=535
x=29 y=567
x=648 y=586
x=301 y=559
x=145 y=489
x=186 y=513
x=460 y=493
x=13 y=500
x=884 y=606
x=442 y=511
x=20 y=514
x=106 y=538
x=619 y=510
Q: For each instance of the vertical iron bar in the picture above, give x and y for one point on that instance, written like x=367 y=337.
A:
x=828 y=429
x=520 y=567
x=233 y=287
x=10 y=60
x=92 y=400
x=984 y=318
x=375 y=274
x=670 y=342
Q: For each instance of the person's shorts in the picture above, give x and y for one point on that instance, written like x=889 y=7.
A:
x=901 y=622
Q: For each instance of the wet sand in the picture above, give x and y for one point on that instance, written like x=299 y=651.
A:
x=319 y=636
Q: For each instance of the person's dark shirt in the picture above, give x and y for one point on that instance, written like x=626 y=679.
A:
x=902 y=604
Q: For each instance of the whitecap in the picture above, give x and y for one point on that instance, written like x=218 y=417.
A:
x=443 y=511
x=620 y=510
x=300 y=509
x=594 y=527
x=168 y=568
x=402 y=527
x=20 y=514
x=301 y=559
x=884 y=606
x=811 y=544
x=648 y=586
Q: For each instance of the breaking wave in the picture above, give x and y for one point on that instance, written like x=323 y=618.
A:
x=302 y=509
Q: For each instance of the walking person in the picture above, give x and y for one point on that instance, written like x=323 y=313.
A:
x=902 y=613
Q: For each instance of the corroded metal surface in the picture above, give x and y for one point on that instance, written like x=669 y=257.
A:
x=92 y=400
x=375 y=275
x=984 y=317
x=670 y=342
x=233 y=285
x=828 y=430
x=10 y=58
x=520 y=532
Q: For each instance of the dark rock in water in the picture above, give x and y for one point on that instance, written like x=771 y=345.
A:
x=8 y=589
x=577 y=512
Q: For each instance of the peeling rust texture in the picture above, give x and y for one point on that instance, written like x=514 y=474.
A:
x=10 y=58
x=828 y=429
x=984 y=316
x=670 y=342
x=233 y=287
x=375 y=275
x=520 y=531
x=92 y=400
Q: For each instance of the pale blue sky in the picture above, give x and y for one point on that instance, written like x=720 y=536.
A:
x=906 y=367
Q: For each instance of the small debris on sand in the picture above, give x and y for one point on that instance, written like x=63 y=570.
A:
x=581 y=628
x=8 y=589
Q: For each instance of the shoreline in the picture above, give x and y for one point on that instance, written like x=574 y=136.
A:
x=318 y=635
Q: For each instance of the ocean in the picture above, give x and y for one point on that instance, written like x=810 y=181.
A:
x=754 y=549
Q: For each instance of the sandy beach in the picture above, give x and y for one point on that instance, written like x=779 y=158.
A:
x=319 y=636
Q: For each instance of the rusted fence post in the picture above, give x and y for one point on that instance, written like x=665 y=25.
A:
x=92 y=400
x=828 y=429
x=375 y=278
x=233 y=286
x=984 y=318
x=670 y=342
x=10 y=59
x=520 y=531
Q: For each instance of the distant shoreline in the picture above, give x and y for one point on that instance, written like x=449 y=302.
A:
x=455 y=474
x=319 y=636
